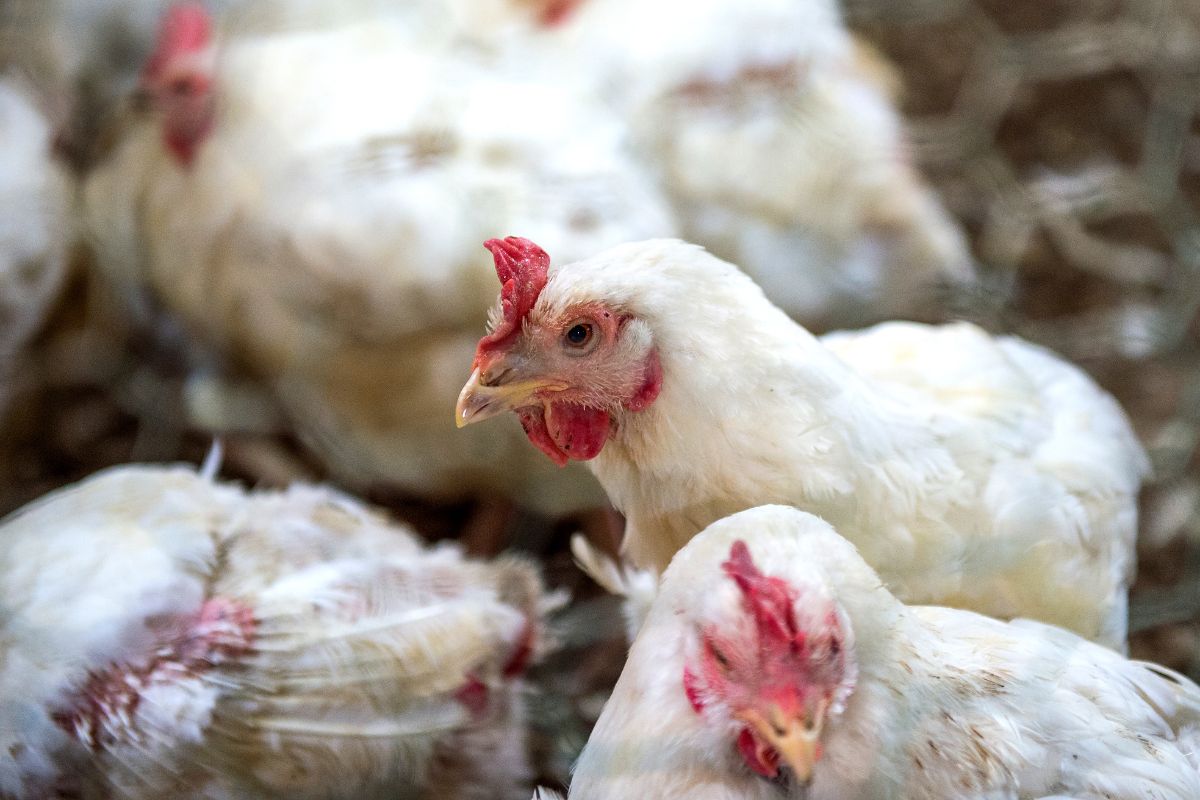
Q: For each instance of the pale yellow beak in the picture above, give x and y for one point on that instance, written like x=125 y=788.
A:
x=794 y=740
x=477 y=402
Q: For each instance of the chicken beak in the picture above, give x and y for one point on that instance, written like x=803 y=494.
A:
x=477 y=401
x=795 y=740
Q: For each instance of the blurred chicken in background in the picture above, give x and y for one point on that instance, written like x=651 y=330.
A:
x=311 y=201
x=774 y=133
x=82 y=58
x=164 y=635
x=35 y=226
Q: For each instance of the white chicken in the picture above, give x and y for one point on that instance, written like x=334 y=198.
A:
x=774 y=133
x=83 y=58
x=636 y=587
x=163 y=635
x=35 y=226
x=972 y=471
x=311 y=199
x=775 y=664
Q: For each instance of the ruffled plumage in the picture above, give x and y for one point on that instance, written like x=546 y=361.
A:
x=944 y=704
x=974 y=471
x=165 y=635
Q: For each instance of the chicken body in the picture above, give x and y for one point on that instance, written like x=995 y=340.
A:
x=327 y=235
x=773 y=132
x=974 y=471
x=933 y=703
x=163 y=635
x=35 y=228
x=82 y=57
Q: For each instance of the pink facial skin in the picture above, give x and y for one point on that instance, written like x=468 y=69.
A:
x=768 y=662
x=572 y=421
x=565 y=427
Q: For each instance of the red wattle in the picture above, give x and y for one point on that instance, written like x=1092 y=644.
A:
x=764 y=761
x=579 y=432
x=183 y=144
x=533 y=420
x=556 y=12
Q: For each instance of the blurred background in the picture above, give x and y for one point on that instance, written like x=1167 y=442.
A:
x=262 y=222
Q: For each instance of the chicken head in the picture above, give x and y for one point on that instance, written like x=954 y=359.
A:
x=775 y=668
x=178 y=78
x=563 y=366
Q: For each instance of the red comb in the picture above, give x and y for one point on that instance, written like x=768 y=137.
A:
x=521 y=267
x=768 y=599
x=556 y=12
x=185 y=28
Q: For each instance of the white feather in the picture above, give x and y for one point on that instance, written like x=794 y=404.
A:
x=946 y=703
x=773 y=132
x=329 y=233
x=973 y=471
x=360 y=642
x=638 y=587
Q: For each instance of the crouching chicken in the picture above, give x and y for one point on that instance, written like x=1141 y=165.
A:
x=775 y=664
x=163 y=635
x=973 y=471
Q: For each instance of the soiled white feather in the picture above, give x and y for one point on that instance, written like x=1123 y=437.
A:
x=972 y=471
x=946 y=703
x=164 y=635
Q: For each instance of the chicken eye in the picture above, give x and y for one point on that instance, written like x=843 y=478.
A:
x=580 y=337
x=579 y=334
x=721 y=659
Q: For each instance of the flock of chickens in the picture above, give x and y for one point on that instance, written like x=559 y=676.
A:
x=882 y=564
